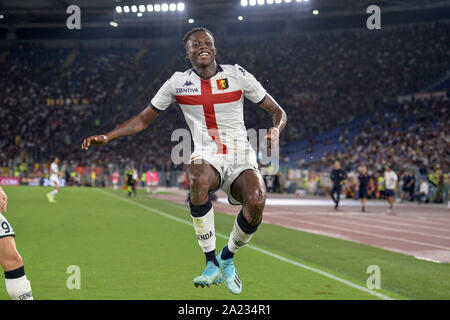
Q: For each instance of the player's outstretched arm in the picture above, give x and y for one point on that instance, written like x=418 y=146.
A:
x=279 y=120
x=3 y=200
x=133 y=125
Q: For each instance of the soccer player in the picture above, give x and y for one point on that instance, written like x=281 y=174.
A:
x=390 y=182
x=211 y=97
x=131 y=182
x=54 y=180
x=338 y=176
x=17 y=284
x=115 y=179
x=152 y=180
x=363 y=184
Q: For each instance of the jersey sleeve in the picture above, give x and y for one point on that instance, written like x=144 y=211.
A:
x=164 y=97
x=252 y=89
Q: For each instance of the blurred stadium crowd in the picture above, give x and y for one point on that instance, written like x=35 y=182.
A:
x=53 y=98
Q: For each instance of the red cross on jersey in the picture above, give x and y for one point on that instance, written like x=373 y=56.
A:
x=213 y=108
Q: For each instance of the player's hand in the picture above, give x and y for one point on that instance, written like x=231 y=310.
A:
x=94 y=141
x=272 y=138
x=3 y=201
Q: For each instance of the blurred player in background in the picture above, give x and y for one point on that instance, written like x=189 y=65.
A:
x=363 y=184
x=17 y=284
x=152 y=180
x=54 y=180
x=115 y=179
x=390 y=183
x=338 y=176
x=211 y=97
x=408 y=186
x=130 y=181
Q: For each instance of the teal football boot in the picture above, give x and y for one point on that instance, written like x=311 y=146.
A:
x=232 y=280
x=211 y=275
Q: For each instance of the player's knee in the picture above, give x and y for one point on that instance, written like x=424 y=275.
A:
x=198 y=186
x=12 y=261
x=254 y=205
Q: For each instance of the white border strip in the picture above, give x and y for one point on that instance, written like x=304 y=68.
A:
x=273 y=255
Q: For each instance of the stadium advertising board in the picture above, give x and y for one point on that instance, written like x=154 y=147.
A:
x=9 y=181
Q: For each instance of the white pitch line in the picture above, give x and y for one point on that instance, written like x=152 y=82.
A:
x=392 y=229
x=367 y=233
x=273 y=255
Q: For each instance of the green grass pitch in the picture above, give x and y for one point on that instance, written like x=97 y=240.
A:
x=145 y=248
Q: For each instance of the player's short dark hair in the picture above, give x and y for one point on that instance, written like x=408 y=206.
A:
x=194 y=30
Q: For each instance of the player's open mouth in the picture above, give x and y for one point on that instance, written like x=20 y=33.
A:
x=204 y=54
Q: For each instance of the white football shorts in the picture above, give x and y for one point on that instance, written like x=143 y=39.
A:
x=229 y=167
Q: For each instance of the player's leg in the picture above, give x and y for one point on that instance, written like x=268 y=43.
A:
x=363 y=196
x=17 y=284
x=338 y=195
x=51 y=195
x=390 y=199
x=248 y=189
x=203 y=178
x=332 y=192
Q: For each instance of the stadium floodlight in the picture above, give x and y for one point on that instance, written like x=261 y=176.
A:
x=133 y=8
x=315 y=12
x=191 y=20
x=139 y=14
x=157 y=7
x=260 y=2
x=252 y=2
x=269 y=1
x=142 y=8
x=244 y=3
x=298 y=0
x=172 y=7
x=240 y=18
x=119 y=9
x=288 y=1
x=278 y=1
x=113 y=24
x=126 y=9
x=164 y=7
x=150 y=8
x=180 y=6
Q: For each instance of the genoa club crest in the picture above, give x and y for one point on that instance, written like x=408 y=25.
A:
x=222 y=84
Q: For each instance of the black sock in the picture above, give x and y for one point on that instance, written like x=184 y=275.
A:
x=16 y=273
x=226 y=254
x=211 y=256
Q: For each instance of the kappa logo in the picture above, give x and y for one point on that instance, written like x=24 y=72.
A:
x=188 y=83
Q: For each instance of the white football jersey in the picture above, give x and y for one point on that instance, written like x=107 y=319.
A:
x=54 y=170
x=213 y=108
x=390 y=179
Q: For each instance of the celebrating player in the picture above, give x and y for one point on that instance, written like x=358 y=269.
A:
x=54 y=180
x=17 y=284
x=211 y=97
